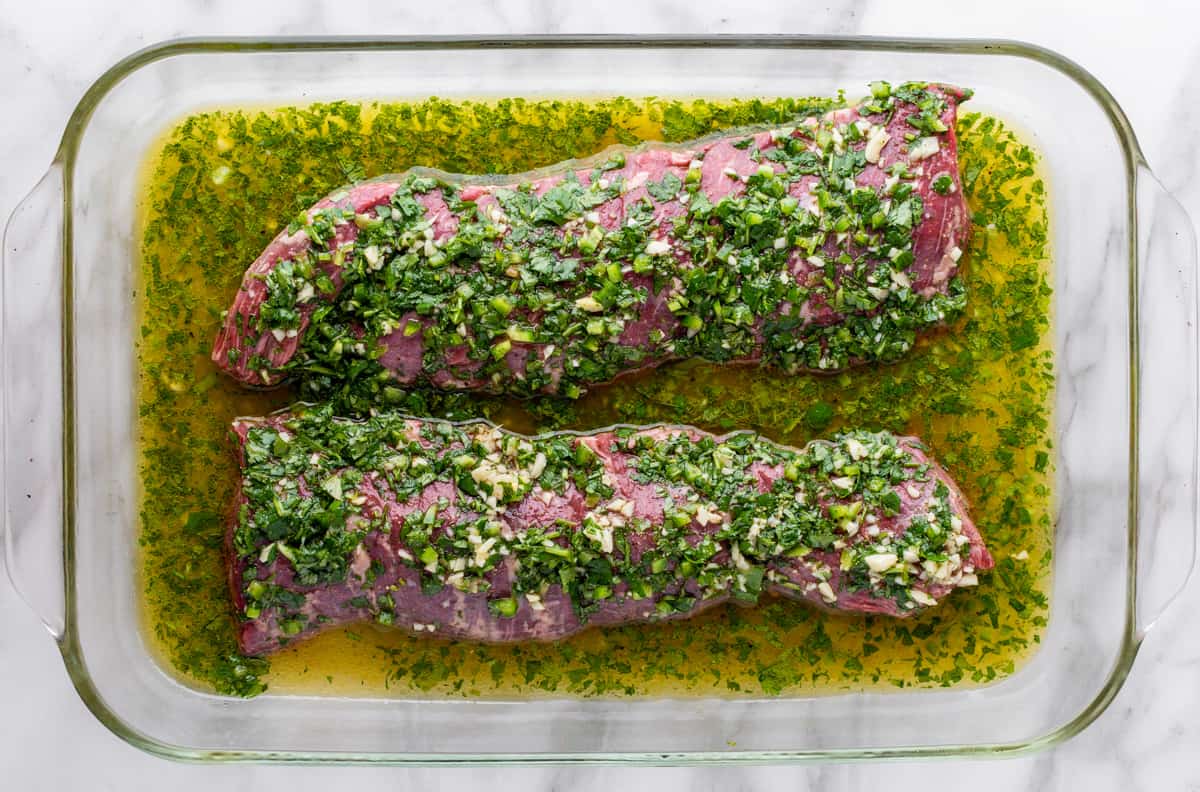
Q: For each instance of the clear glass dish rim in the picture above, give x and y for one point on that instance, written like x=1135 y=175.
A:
x=65 y=157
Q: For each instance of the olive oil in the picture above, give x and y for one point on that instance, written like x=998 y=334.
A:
x=222 y=184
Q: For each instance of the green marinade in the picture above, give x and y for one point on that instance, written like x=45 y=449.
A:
x=223 y=184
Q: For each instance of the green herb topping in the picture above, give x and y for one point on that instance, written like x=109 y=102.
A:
x=697 y=525
x=805 y=261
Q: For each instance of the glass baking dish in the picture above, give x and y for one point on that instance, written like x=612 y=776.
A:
x=1126 y=404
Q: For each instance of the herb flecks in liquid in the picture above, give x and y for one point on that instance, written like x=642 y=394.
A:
x=979 y=394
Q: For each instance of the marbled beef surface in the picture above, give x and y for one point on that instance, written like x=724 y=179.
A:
x=466 y=531
x=815 y=246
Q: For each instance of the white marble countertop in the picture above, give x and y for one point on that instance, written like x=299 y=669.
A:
x=1147 y=55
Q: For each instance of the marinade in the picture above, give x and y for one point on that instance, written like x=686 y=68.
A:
x=221 y=185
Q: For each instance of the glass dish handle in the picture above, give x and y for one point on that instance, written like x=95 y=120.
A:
x=1166 y=399
x=32 y=385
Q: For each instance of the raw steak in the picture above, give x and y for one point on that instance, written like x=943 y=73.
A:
x=466 y=531
x=812 y=247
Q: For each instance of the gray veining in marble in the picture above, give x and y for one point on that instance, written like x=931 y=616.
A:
x=1146 y=54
